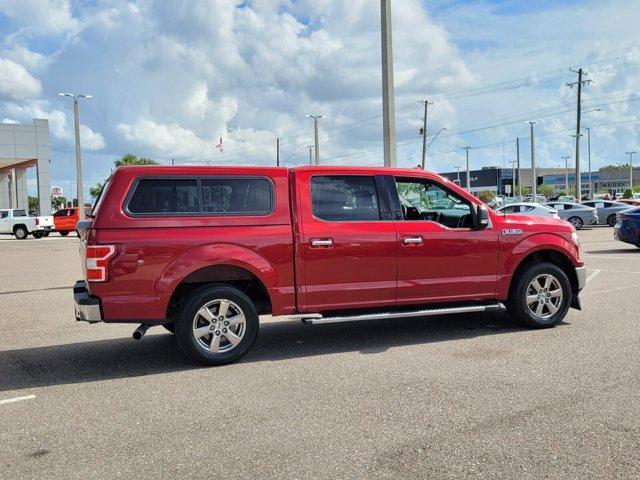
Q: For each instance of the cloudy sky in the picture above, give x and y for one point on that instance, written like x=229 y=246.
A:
x=169 y=77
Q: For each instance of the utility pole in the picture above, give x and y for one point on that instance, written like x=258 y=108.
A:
x=315 y=133
x=579 y=83
x=426 y=104
x=458 y=167
x=630 y=170
x=388 y=101
x=566 y=172
x=468 y=182
x=76 y=117
x=534 y=187
x=589 y=157
x=519 y=171
x=310 y=147
x=277 y=152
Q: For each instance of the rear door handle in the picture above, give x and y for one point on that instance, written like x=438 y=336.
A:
x=322 y=242
x=412 y=240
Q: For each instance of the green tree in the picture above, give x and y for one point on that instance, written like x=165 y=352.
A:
x=129 y=159
x=547 y=190
x=34 y=205
x=627 y=193
x=486 y=196
x=521 y=190
x=95 y=191
x=58 y=202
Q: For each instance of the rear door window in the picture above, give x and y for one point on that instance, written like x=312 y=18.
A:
x=165 y=196
x=345 y=198
x=237 y=196
x=19 y=213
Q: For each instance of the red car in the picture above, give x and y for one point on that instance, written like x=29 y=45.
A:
x=205 y=250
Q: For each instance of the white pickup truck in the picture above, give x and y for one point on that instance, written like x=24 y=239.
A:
x=16 y=222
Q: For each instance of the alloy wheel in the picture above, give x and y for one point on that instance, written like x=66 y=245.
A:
x=544 y=296
x=219 y=326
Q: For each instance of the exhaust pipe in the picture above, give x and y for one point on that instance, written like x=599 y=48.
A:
x=140 y=331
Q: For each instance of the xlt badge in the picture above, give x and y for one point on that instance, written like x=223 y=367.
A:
x=512 y=231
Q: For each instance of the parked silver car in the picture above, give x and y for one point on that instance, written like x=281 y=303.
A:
x=525 y=208
x=575 y=213
x=606 y=210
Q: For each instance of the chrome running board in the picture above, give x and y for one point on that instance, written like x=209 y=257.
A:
x=316 y=318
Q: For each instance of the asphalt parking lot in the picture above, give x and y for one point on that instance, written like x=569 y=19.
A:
x=469 y=396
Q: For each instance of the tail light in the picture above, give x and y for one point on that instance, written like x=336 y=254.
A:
x=37 y=221
x=97 y=259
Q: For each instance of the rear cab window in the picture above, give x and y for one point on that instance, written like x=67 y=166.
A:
x=211 y=196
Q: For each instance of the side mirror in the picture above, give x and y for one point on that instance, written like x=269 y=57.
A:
x=482 y=217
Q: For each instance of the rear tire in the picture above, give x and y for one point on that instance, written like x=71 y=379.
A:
x=216 y=325
x=540 y=296
x=46 y=234
x=21 y=233
x=37 y=234
x=611 y=220
x=576 y=222
x=64 y=233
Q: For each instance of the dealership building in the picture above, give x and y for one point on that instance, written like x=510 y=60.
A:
x=23 y=147
x=499 y=180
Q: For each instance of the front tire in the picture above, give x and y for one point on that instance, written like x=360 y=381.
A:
x=576 y=222
x=216 y=325
x=21 y=233
x=540 y=296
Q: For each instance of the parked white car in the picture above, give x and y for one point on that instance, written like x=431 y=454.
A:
x=525 y=208
x=15 y=221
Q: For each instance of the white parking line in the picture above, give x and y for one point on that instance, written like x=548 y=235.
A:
x=613 y=258
x=592 y=275
x=17 y=399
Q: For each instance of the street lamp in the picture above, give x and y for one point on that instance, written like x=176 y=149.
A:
x=458 y=167
x=76 y=118
x=315 y=132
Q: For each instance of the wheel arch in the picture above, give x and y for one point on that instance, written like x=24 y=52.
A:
x=549 y=255
x=223 y=264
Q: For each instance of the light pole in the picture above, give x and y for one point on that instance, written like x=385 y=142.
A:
x=566 y=172
x=534 y=189
x=630 y=170
x=458 y=167
x=589 y=160
x=433 y=140
x=468 y=182
x=315 y=132
x=388 y=98
x=513 y=177
x=76 y=117
x=310 y=147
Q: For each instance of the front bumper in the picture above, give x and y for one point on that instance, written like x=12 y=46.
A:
x=87 y=307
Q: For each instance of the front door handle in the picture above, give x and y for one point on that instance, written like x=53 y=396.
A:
x=412 y=240
x=322 y=242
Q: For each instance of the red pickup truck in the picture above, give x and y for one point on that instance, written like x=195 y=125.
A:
x=205 y=250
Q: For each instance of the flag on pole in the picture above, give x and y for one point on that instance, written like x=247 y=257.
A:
x=220 y=146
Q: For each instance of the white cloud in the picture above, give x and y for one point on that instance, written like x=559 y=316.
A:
x=59 y=127
x=159 y=139
x=38 y=17
x=16 y=83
